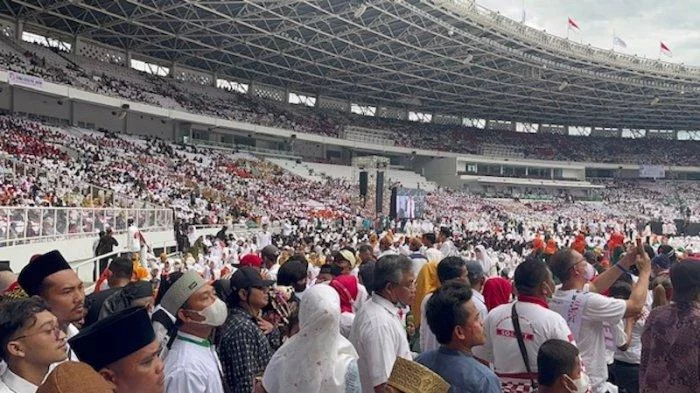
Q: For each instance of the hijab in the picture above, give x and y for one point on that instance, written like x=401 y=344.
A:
x=485 y=261
x=426 y=282
x=327 y=354
x=346 y=286
x=497 y=291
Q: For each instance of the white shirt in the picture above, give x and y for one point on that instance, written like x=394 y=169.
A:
x=480 y=303
x=192 y=366
x=591 y=338
x=264 y=238
x=13 y=383
x=633 y=354
x=346 y=320
x=428 y=341
x=537 y=323
x=272 y=272
x=133 y=240
x=379 y=338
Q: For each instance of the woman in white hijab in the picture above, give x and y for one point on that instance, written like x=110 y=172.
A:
x=317 y=359
x=485 y=261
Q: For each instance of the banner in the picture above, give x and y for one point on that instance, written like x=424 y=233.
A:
x=25 y=80
x=652 y=171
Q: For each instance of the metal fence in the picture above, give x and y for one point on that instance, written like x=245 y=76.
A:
x=22 y=225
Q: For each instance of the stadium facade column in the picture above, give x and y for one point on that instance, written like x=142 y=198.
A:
x=19 y=29
x=71 y=112
x=214 y=79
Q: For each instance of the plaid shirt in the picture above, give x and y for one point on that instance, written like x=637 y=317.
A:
x=244 y=350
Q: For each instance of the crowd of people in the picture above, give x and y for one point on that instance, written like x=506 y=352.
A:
x=60 y=167
x=477 y=295
x=116 y=80
x=359 y=312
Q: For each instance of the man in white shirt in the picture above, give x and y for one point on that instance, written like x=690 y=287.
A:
x=414 y=246
x=477 y=278
x=626 y=360
x=537 y=322
x=51 y=277
x=133 y=237
x=377 y=332
x=192 y=364
x=123 y=348
x=269 y=255
x=449 y=269
x=447 y=246
x=32 y=341
x=585 y=310
x=264 y=237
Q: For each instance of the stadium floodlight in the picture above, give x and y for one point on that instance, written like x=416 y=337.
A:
x=360 y=10
x=564 y=84
x=654 y=101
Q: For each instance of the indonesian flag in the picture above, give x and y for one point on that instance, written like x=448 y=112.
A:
x=619 y=42
x=666 y=50
x=573 y=24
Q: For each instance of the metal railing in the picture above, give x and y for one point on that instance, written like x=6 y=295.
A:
x=22 y=225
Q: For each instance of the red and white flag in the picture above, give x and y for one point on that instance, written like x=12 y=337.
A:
x=665 y=49
x=573 y=24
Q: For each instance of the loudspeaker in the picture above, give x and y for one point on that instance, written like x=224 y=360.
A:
x=363 y=183
x=392 y=204
x=380 y=192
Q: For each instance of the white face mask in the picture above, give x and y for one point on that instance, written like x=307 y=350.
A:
x=580 y=385
x=215 y=314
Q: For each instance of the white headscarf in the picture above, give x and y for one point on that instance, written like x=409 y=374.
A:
x=486 y=263
x=315 y=359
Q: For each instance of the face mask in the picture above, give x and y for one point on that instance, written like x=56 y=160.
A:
x=215 y=314
x=580 y=385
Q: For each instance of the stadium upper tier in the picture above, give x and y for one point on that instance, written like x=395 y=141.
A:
x=119 y=81
x=443 y=57
x=54 y=166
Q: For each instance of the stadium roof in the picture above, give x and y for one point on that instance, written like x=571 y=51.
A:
x=440 y=56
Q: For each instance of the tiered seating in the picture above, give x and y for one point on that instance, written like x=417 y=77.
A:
x=166 y=92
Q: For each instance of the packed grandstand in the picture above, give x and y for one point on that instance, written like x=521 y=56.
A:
x=435 y=129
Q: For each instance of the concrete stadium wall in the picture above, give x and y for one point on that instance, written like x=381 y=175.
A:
x=100 y=116
x=41 y=104
x=442 y=171
x=148 y=125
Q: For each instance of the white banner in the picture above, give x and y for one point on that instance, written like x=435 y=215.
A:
x=25 y=80
x=652 y=171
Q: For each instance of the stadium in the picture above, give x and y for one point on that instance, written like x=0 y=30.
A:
x=318 y=125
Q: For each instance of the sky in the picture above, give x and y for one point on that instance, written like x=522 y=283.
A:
x=642 y=24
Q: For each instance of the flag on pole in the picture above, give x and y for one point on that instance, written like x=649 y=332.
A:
x=666 y=50
x=619 y=42
x=572 y=23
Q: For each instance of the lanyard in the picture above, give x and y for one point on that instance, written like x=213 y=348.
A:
x=204 y=343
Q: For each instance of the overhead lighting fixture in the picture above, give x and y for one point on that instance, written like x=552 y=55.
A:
x=360 y=10
x=654 y=101
x=564 y=84
x=450 y=32
x=468 y=59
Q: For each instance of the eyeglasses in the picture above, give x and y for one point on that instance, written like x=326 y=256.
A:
x=583 y=260
x=55 y=330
